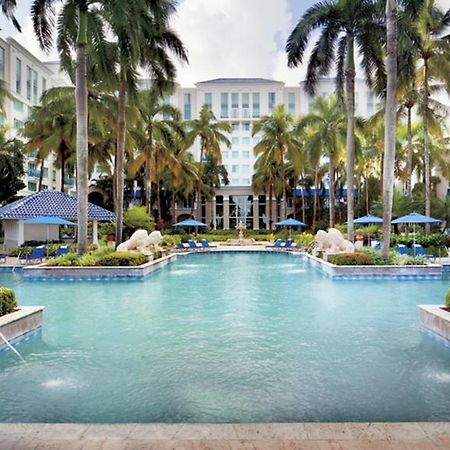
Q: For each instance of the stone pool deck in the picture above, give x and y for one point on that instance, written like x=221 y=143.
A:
x=311 y=436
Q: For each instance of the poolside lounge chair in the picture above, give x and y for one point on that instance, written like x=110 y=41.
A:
x=193 y=245
x=3 y=258
x=418 y=250
x=288 y=245
x=62 y=250
x=402 y=249
x=182 y=247
x=276 y=244
x=205 y=244
x=37 y=255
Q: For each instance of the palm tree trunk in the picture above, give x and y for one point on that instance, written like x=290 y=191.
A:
x=426 y=146
x=121 y=126
x=173 y=207
x=82 y=132
x=197 y=199
x=409 y=156
x=63 y=168
x=283 y=180
x=367 y=195
x=158 y=188
x=303 y=202
x=41 y=174
x=316 y=177
x=350 y=146
x=270 y=205
x=390 y=122
x=148 y=175
x=332 y=195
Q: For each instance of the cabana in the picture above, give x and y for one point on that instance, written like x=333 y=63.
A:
x=45 y=203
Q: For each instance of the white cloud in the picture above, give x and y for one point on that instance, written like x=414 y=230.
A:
x=231 y=38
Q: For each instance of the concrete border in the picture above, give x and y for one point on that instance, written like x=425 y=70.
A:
x=43 y=272
x=389 y=271
x=324 y=436
x=24 y=320
x=436 y=319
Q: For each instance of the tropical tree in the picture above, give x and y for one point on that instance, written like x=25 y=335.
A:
x=11 y=166
x=212 y=134
x=7 y=7
x=279 y=140
x=343 y=24
x=327 y=122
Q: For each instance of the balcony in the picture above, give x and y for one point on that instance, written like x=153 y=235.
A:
x=69 y=181
x=34 y=173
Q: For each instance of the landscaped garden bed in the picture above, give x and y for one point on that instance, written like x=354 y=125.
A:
x=436 y=318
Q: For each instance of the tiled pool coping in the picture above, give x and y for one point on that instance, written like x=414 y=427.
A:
x=324 y=436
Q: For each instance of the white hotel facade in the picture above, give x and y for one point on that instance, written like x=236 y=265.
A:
x=238 y=101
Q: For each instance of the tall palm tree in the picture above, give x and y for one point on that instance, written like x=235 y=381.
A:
x=328 y=130
x=343 y=24
x=11 y=166
x=212 y=134
x=278 y=139
x=390 y=122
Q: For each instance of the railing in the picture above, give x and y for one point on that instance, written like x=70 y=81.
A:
x=34 y=173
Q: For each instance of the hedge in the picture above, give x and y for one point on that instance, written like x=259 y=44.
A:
x=99 y=258
x=122 y=259
x=350 y=259
x=8 y=301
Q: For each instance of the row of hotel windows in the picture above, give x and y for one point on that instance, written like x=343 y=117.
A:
x=240 y=104
x=226 y=154
x=31 y=79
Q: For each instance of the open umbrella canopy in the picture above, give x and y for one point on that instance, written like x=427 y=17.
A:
x=47 y=220
x=290 y=223
x=190 y=223
x=415 y=218
x=369 y=219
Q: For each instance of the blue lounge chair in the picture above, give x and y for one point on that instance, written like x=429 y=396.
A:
x=276 y=244
x=193 y=245
x=418 y=250
x=288 y=245
x=37 y=255
x=205 y=244
x=402 y=249
x=182 y=247
x=62 y=250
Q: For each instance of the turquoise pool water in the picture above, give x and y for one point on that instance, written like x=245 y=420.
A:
x=228 y=338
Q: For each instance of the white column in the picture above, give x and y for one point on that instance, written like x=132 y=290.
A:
x=20 y=233
x=226 y=212
x=213 y=212
x=255 y=212
x=95 y=232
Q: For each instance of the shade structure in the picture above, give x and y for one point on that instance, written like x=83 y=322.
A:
x=290 y=223
x=367 y=220
x=190 y=223
x=47 y=220
x=415 y=218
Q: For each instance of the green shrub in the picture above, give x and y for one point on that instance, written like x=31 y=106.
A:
x=71 y=259
x=375 y=257
x=170 y=241
x=350 y=259
x=122 y=259
x=304 y=239
x=447 y=299
x=8 y=301
x=137 y=218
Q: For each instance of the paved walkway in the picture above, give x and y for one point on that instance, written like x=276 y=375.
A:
x=290 y=436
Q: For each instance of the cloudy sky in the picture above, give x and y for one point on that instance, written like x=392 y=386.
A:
x=224 y=38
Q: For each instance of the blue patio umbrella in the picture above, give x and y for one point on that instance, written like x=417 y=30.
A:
x=47 y=220
x=190 y=223
x=290 y=223
x=367 y=220
x=415 y=218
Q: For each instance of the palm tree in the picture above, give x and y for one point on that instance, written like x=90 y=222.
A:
x=279 y=140
x=390 y=122
x=212 y=134
x=327 y=122
x=8 y=7
x=433 y=48
x=344 y=23
x=11 y=166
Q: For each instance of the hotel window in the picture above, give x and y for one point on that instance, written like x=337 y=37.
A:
x=2 y=63
x=45 y=172
x=32 y=186
x=224 y=105
x=245 y=168
x=225 y=154
x=187 y=106
x=245 y=141
x=18 y=124
x=29 y=76
x=44 y=187
x=255 y=106
x=246 y=126
x=246 y=181
x=235 y=154
x=235 y=127
x=44 y=84
x=234 y=168
x=18 y=75
x=18 y=105
x=246 y=154
x=208 y=99
x=369 y=100
x=271 y=98
x=235 y=181
x=234 y=105
x=291 y=103
x=245 y=105
x=235 y=140
x=35 y=86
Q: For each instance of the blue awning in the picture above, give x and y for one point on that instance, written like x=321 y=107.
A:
x=190 y=223
x=290 y=223
x=47 y=220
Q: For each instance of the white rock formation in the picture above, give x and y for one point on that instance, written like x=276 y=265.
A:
x=332 y=242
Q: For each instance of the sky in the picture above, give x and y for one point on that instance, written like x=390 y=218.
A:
x=224 y=38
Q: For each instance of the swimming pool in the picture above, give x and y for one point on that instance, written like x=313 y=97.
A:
x=228 y=338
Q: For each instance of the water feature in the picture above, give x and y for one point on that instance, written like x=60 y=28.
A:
x=8 y=344
x=228 y=338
